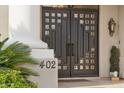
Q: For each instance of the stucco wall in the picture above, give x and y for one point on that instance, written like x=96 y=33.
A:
x=121 y=35
x=3 y=21
x=105 y=40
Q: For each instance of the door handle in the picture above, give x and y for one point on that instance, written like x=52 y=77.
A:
x=68 y=49
x=72 y=49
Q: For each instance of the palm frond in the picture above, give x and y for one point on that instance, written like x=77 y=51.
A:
x=16 y=54
x=2 y=43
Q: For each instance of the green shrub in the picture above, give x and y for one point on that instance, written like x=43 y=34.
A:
x=14 y=79
x=114 y=59
x=15 y=54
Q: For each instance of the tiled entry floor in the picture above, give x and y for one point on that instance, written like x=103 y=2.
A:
x=96 y=83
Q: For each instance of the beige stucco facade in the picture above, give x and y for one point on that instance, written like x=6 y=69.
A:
x=105 y=40
x=4 y=11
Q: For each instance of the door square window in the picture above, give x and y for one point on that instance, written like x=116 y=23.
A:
x=58 y=14
x=92 y=33
x=75 y=15
x=87 y=61
x=92 y=16
x=92 y=49
x=46 y=32
x=87 y=67
x=75 y=67
x=46 y=14
x=92 y=21
x=47 y=20
x=92 y=67
x=92 y=61
x=81 y=67
x=87 y=22
x=81 y=61
x=87 y=15
x=47 y=27
x=53 y=20
x=52 y=26
x=81 y=21
x=64 y=14
x=58 y=20
x=81 y=15
x=92 y=28
x=53 y=14
x=86 y=27
x=64 y=67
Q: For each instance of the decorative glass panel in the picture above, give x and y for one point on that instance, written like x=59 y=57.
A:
x=47 y=27
x=92 y=33
x=86 y=15
x=47 y=20
x=81 y=67
x=86 y=27
x=92 y=49
x=92 y=27
x=64 y=14
x=53 y=14
x=87 y=67
x=81 y=61
x=87 y=22
x=92 y=21
x=75 y=15
x=46 y=32
x=46 y=14
x=87 y=55
x=58 y=20
x=59 y=67
x=64 y=67
x=92 y=67
x=81 y=15
x=92 y=55
x=81 y=21
x=58 y=14
x=92 y=61
x=92 y=16
x=76 y=67
x=53 y=20
x=52 y=26
x=87 y=61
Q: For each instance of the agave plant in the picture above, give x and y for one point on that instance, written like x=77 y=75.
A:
x=15 y=54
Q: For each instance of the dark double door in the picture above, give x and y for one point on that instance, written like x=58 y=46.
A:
x=73 y=34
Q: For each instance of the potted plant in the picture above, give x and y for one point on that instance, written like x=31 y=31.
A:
x=114 y=62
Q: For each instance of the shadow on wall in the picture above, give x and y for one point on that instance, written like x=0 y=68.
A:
x=22 y=34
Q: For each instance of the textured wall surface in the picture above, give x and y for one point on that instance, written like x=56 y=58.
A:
x=105 y=40
x=4 y=21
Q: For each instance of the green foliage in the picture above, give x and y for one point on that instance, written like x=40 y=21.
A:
x=14 y=79
x=14 y=55
x=114 y=59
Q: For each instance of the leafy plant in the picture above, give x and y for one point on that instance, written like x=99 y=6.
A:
x=12 y=56
x=114 y=59
x=14 y=79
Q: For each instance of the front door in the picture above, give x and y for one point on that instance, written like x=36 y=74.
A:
x=73 y=34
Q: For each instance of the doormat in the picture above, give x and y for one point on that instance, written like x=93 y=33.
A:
x=75 y=80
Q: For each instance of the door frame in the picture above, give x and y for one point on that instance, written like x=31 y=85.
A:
x=98 y=36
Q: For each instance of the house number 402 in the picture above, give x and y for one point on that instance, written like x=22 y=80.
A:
x=47 y=64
